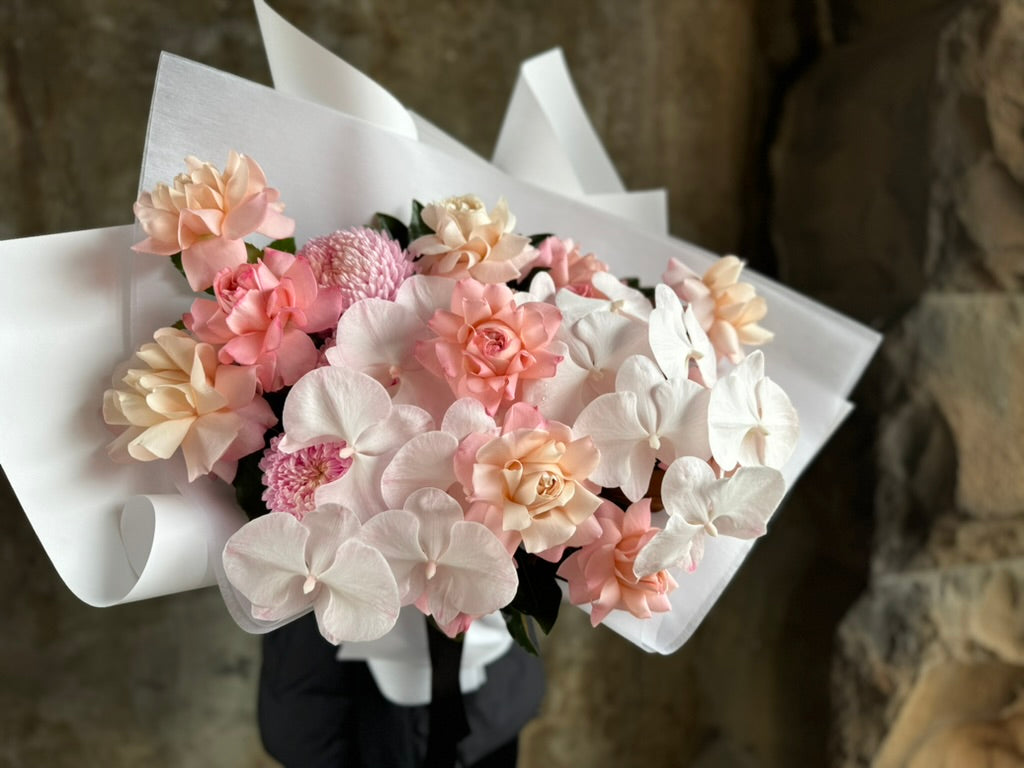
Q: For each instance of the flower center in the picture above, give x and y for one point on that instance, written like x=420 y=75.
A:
x=549 y=484
x=493 y=342
x=309 y=584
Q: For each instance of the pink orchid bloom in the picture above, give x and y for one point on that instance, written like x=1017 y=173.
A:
x=334 y=405
x=206 y=214
x=450 y=568
x=601 y=573
x=284 y=566
x=263 y=314
x=379 y=338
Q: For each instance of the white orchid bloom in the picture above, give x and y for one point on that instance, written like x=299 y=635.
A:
x=446 y=565
x=648 y=418
x=596 y=346
x=330 y=405
x=700 y=504
x=751 y=420
x=284 y=566
x=621 y=299
x=378 y=338
x=427 y=460
x=677 y=338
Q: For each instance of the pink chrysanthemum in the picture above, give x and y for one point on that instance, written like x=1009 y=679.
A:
x=362 y=262
x=291 y=479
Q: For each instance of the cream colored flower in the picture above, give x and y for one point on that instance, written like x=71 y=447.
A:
x=183 y=398
x=536 y=475
x=470 y=242
x=729 y=311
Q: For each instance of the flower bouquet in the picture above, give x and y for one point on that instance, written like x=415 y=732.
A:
x=468 y=413
x=443 y=412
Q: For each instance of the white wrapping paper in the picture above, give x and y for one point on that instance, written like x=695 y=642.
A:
x=94 y=302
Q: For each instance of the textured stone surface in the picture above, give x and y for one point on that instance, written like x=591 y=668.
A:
x=929 y=666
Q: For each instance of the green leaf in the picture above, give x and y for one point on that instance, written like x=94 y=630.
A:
x=176 y=261
x=248 y=480
x=416 y=226
x=286 y=244
x=393 y=227
x=180 y=325
x=254 y=254
x=538 y=594
x=522 y=630
x=536 y=240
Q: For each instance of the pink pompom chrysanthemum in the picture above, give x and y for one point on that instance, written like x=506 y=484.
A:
x=291 y=479
x=362 y=262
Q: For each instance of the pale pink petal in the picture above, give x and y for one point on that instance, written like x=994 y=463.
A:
x=161 y=440
x=611 y=422
x=330 y=404
x=466 y=416
x=265 y=561
x=208 y=440
x=203 y=260
x=358 y=489
x=246 y=219
x=399 y=427
x=475 y=575
x=424 y=462
x=360 y=602
x=395 y=534
x=424 y=295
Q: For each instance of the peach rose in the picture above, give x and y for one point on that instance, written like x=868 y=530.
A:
x=536 y=477
x=470 y=242
x=487 y=344
x=184 y=399
x=727 y=310
x=206 y=213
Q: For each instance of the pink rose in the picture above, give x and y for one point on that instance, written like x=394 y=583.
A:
x=601 y=573
x=263 y=314
x=568 y=267
x=206 y=213
x=487 y=344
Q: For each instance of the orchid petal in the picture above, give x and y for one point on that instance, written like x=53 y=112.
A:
x=330 y=404
x=360 y=602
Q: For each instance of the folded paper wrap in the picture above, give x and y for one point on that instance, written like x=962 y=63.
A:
x=117 y=533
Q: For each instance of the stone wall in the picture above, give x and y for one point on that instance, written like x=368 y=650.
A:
x=871 y=153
